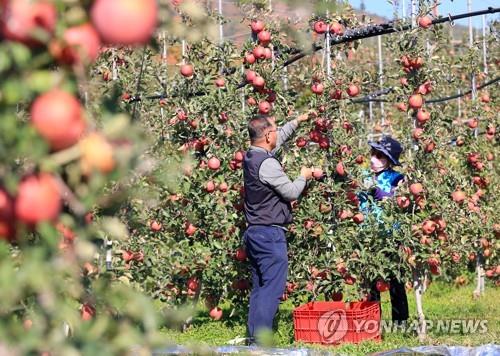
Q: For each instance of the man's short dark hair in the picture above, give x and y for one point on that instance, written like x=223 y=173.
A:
x=257 y=126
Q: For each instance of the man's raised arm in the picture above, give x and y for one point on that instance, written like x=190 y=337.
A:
x=287 y=130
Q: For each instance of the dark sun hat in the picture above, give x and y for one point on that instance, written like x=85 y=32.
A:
x=388 y=146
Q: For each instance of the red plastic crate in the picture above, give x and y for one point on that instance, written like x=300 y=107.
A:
x=332 y=323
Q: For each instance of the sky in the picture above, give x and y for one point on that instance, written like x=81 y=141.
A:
x=384 y=8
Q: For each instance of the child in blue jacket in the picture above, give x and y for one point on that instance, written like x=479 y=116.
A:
x=382 y=182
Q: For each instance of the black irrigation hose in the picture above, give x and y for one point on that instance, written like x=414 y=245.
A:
x=384 y=29
x=433 y=101
x=369 y=98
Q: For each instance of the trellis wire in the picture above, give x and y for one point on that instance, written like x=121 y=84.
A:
x=370 y=97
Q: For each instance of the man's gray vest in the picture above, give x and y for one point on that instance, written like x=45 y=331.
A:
x=263 y=206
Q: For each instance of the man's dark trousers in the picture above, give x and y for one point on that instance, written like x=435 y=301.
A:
x=267 y=251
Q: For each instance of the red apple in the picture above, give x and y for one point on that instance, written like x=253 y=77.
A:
x=223 y=187
x=38 y=199
x=416 y=189
x=256 y=26
x=415 y=101
x=214 y=163
x=352 y=90
x=87 y=312
x=339 y=168
x=250 y=58
x=220 y=82
x=250 y=75
x=320 y=27
x=417 y=133
x=81 y=45
x=402 y=107
x=215 y=313
x=336 y=28
x=264 y=107
x=187 y=70
x=264 y=37
x=125 y=22
x=485 y=98
x=423 y=116
x=403 y=202
x=350 y=280
x=428 y=227
x=382 y=286
x=155 y=226
x=425 y=21
x=259 y=52
x=317 y=173
x=193 y=283
x=336 y=94
x=317 y=88
x=127 y=255
x=458 y=196
x=210 y=187
x=58 y=118
x=190 y=229
x=240 y=255
x=259 y=82
x=19 y=19
x=7 y=221
x=324 y=143
x=301 y=142
x=358 y=218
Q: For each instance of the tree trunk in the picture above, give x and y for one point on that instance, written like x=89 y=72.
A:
x=418 y=287
x=479 y=291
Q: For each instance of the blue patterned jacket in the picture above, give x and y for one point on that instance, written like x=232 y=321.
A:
x=383 y=186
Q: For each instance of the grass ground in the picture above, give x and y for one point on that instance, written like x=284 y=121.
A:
x=441 y=301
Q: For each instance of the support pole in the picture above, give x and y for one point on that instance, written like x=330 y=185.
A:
x=243 y=92
x=413 y=13
x=221 y=34
x=418 y=287
x=183 y=51
x=381 y=76
x=471 y=44
x=328 y=51
x=115 y=67
x=485 y=57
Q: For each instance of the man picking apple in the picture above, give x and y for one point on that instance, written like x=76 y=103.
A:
x=268 y=194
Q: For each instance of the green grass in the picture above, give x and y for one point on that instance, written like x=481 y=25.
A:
x=441 y=301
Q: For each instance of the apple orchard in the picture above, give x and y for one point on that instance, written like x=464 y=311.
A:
x=126 y=134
